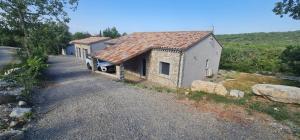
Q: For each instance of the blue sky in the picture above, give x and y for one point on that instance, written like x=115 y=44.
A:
x=227 y=16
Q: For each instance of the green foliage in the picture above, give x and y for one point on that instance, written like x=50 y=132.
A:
x=256 y=52
x=291 y=59
x=28 y=75
x=34 y=66
x=49 y=38
x=80 y=35
x=28 y=115
x=260 y=40
x=251 y=59
x=277 y=111
x=290 y=7
x=198 y=96
x=2 y=125
x=24 y=17
x=8 y=38
x=111 y=32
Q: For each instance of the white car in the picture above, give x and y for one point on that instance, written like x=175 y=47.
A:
x=101 y=65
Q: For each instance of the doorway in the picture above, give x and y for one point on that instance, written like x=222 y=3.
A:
x=144 y=67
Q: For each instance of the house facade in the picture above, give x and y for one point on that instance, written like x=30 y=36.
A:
x=172 y=59
x=85 y=47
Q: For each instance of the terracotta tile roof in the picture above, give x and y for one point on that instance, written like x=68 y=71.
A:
x=89 y=40
x=127 y=47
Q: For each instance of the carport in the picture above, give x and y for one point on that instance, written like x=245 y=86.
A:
x=119 y=74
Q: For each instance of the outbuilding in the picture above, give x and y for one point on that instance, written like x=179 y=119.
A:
x=87 y=46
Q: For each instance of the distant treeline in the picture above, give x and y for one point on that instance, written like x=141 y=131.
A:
x=50 y=37
x=261 y=52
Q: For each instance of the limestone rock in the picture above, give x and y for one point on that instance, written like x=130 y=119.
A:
x=22 y=103
x=13 y=124
x=279 y=93
x=236 y=93
x=19 y=112
x=209 y=87
x=8 y=72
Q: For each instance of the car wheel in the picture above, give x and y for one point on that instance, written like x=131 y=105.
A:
x=89 y=66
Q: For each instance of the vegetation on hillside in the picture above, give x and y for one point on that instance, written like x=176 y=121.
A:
x=258 y=52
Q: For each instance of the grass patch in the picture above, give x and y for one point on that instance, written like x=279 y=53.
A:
x=2 y=126
x=277 y=111
x=244 y=82
x=28 y=115
x=150 y=87
x=198 y=96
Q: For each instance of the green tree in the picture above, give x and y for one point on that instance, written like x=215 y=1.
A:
x=124 y=34
x=8 y=38
x=291 y=59
x=100 y=33
x=50 y=37
x=290 y=7
x=111 y=32
x=80 y=35
x=25 y=16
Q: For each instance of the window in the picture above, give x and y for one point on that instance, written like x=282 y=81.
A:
x=164 y=68
x=207 y=63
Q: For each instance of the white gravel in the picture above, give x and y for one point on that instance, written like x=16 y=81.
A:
x=81 y=105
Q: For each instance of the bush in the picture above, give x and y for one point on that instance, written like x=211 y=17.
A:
x=291 y=59
x=251 y=59
x=28 y=75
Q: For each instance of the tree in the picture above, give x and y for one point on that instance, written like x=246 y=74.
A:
x=8 y=38
x=124 y=34
x=290 y=7
x=111 y=32
x=100 y=33
x=50 y=38
x=26 y=16
x=291 y=59
x=80 y=35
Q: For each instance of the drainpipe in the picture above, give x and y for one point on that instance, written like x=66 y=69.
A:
x=179 y=70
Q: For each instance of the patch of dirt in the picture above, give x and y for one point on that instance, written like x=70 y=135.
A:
x=244 y=81
x=231 y=113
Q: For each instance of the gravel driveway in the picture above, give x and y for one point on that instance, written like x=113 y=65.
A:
x=78 y=104
x=6 y=55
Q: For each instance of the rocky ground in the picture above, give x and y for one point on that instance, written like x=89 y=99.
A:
x=14 y=111
x=80 y=105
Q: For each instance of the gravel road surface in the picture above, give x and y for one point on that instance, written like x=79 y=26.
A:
x=78 y=104
x=6 y=55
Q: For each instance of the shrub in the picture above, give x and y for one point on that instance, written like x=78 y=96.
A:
x=291 y=59
x=251 y=59
x=277 y=111
x=28 y=75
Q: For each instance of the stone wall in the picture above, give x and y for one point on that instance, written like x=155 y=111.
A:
x=134 y=65
x=173 y=58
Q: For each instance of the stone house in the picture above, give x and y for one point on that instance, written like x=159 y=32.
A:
x=173 y=59
x=87 y=46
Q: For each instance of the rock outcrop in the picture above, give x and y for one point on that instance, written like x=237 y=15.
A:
x=209 y=87
x=19 y=112
x=236 y=93
x=279 y=93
